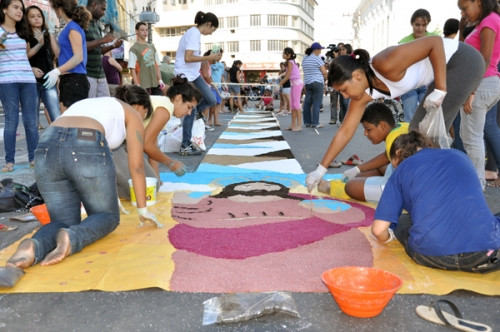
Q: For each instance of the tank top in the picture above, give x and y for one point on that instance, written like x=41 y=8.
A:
x=112 y=75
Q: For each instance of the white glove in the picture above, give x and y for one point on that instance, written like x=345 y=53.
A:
x=162 y=85
x=434 y=99
x=391 y=236
x=145 y=215
x=313 y=178
x=350 y=174
x=51 y=78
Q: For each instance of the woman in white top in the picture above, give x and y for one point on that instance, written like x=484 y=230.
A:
x=74 y=165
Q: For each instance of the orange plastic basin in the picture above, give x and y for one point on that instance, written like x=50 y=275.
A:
x=361 y=291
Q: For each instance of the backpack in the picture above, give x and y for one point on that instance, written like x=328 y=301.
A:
x=27 y=197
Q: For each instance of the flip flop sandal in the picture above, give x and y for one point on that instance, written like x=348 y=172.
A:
x=8 y=168
x=335 y=164
x=353 y=161
x=5 y=228
x=493 y=184
x=434 y=314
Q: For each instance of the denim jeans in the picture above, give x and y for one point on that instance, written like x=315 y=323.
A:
x=207 y=100
x=472 y=125
x=481 y=261
x=457 y=141
x=334 y=98
x=11 y=94
x=312 y=103
x=71 y=166
x=411 y=100
x=50 y=99
x=344 y=106
x=492 y=136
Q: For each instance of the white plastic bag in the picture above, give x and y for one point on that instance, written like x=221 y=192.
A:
x=198 y=135
x=433 y=126
x=170 y=141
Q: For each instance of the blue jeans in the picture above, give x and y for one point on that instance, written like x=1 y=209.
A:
x=457 y=141
x=312 y=103
x=71 y=166
x=207 y=100
x=344 y=106
x=50 y=99
x=411 y=100
x=11 y=94
x=492 y=135
x=480 y=261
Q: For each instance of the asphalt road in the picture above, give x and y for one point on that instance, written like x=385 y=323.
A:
x=158 y=310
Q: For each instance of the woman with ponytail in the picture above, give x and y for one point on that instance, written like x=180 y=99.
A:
x=449 y=224
x=73 y=85
x=439 y=63
x=296 y=83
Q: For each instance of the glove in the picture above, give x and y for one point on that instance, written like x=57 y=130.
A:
x=350 y=174
x=122 y=209
x=313 y=178
x=145 y=215
x=51 y=78
x=391 y=236
x=434 y=99
x=177 y=167
x=162 y=85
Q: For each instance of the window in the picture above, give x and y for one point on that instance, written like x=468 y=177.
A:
x=255 y=20
x=233 y=47
x=172 y=2
x=295 y=22
x=182 y=2
x=232 y=21
x=171 y=32
x=255 y=45
x=208 y=46
x=276 y=45
x=277 y=20
x=232 y=1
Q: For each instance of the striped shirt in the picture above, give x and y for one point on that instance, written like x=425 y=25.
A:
x=311 y=69
x=94 y=56
x=14 y=64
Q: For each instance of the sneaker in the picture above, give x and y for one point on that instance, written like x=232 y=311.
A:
x=189 y=151
x=208 y=128
x=332 y=122
x=317 y=126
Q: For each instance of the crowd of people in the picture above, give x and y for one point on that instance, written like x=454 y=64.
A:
x=102 y=132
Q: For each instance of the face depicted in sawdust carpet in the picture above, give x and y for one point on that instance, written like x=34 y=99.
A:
x=254 y=218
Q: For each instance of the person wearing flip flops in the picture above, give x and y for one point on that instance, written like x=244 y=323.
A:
x=440 y=63
x=366 y=181
x=449 y=225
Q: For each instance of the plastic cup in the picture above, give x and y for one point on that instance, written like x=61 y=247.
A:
x=41 y=213
x=150 y=192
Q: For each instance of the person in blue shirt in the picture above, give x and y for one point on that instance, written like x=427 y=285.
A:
x=449 y=224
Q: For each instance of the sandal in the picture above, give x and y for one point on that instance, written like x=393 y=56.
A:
x=335 y=164
x=5 y=228
x=9 y=167
x=32 y=164
x=434 y=314
x=353 y=161
x=493 y=184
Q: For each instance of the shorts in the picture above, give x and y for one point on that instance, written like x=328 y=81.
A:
x=374 y=185
x=234 y=89
x=286 y=91
x=73 y=88
x=216 y=93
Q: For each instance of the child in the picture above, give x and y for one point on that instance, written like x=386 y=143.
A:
x=293 y=76
x=266 y=101
x=366 y=182
x=449 y=225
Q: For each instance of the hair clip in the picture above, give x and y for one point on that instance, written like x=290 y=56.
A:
x=354 y=56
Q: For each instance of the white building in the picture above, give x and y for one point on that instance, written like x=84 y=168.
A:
x=381 y=23
x=253 y=31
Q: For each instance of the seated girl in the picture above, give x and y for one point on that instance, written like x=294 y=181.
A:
x=449 y=225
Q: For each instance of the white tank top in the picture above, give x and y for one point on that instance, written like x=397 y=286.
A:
x=108 y=112
x=417 y=75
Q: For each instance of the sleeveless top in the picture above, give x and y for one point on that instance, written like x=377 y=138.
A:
x=108 y=112
x=112 y=75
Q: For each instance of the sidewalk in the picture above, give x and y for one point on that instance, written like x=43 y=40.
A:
x=157 y=310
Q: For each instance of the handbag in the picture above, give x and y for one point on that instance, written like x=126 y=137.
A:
x=27 y=197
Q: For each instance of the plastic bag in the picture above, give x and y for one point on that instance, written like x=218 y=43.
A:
x=170 y=142
x=9 y=276
x=433 y=126
x=198 y=134
x=239 y=307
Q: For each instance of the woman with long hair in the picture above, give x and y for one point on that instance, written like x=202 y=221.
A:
x=296 y=84
x=17 y=81
x=42 y=50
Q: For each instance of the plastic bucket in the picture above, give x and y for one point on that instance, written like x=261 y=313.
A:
x=361 y=291
x=41 y=213
x=150 y=192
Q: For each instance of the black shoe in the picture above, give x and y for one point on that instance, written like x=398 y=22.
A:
x=201 y=116
x=189 y=151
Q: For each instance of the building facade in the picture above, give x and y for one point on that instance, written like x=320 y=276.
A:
x=253 y=31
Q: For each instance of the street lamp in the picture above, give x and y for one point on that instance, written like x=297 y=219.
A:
x=149 y=17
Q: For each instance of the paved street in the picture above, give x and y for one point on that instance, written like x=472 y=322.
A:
x=158 y=310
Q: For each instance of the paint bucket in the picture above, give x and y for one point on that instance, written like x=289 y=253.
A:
x=150 y=192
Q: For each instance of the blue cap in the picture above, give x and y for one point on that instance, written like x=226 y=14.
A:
x=316 y=46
